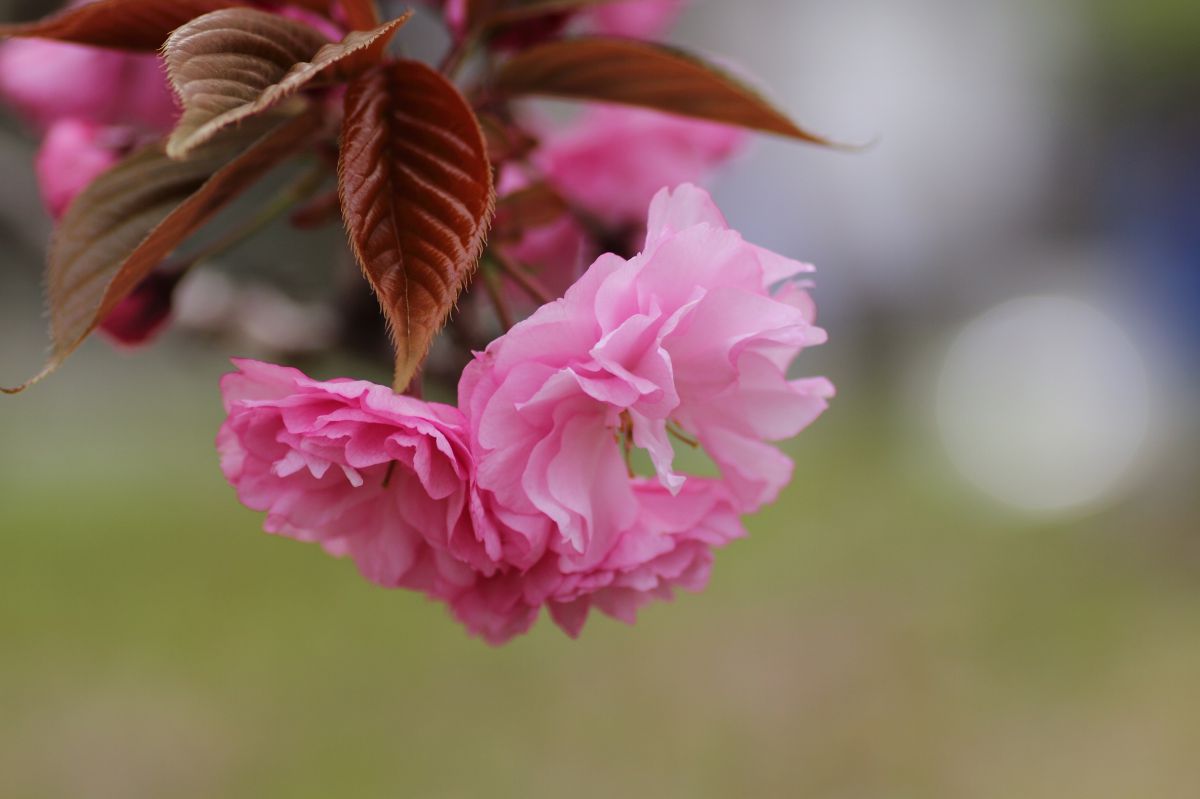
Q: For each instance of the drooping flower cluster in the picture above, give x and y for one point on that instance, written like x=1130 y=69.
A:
x=524 y=496
x=553 y=482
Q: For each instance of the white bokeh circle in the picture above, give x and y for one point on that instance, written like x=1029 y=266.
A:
x=1044 y=403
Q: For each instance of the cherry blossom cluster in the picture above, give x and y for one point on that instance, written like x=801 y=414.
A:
x=525 y=495
x=649 y=325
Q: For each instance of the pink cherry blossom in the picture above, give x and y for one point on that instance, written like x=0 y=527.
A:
x=643 y=19
x=48 y=81
x=612 y=160
x=389 y=481
x=364 y=472
x=692 y=335
x=669 y=547
x=72 y=155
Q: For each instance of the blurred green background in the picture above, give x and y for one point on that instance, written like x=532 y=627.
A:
x=896 y=627
x=879 y=635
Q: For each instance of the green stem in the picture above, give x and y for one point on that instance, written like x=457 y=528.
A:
x=300 y=189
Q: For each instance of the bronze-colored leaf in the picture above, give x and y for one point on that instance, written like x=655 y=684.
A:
x=321 y=7
x=505 y=142
x=141 y=25
x=133 y=216
x=643 y=74
x=232 y=64
x=478 y=9
x=416 y=192
x=526 y=209
x=518 y=10
x=361 y=15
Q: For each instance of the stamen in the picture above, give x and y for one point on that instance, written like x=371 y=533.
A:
x=626 y=433
x=676 y=430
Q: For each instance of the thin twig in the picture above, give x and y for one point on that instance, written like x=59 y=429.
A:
x=491 y=282
x=458 y=54
x=674 y=429
x=627 y=442
x=520 y=275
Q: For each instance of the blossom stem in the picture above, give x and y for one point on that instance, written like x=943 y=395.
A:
x=520 y=275
x=458 y=55
x=626 y=434
x=491 y=283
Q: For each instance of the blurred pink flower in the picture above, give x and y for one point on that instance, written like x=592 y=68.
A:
x=643 y=19
x=689 y=335
x=72 y=155
x=455 y=14
x=48 y=81
x=612 y=160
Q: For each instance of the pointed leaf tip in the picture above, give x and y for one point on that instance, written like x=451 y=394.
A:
x=417 y=197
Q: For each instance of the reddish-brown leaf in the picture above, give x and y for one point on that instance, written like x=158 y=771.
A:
x=517 y=10
x=416 y=193
x=322 y=7
x=361 y=15
x=232 y=64
x=505 y=142
x=131 y=217
x=478 y=9
x=643 y=74
x=529 y=208
x=120 y=24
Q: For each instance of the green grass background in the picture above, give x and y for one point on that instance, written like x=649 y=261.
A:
x=884 y=632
